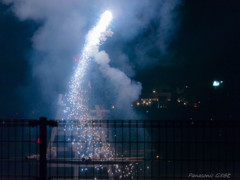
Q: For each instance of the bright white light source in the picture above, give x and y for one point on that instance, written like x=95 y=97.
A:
x=105 y=20
x=107 y=16
x=102 y=25
x=216 y=83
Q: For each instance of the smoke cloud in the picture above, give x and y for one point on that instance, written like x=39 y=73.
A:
x=126 y=90
x=61 y=36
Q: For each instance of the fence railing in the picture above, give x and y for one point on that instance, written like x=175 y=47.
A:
x=119 y=149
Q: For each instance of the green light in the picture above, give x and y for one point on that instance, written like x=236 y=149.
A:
x=217 y=83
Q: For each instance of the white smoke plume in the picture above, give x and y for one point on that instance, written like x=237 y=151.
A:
x=106 y=34
x=127 y=90
x=63 y=25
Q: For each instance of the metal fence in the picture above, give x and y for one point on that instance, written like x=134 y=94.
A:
x=114 y=149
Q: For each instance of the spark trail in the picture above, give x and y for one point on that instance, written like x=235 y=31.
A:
x=77 y=94
x=89 y=140
x=86 y=136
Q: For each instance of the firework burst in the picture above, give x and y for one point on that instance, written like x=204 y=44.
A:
x=86 y=136
x=89 y=140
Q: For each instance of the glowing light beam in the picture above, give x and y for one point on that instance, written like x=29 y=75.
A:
x=77 y=94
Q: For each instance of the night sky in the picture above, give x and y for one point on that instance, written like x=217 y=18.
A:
x=204 y=47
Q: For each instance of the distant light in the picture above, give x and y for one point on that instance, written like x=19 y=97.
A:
x=113 y=107
x=154 y=91
x=216 y=83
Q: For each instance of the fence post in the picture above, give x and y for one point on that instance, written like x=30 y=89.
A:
x=43 y=123
x=43 y=148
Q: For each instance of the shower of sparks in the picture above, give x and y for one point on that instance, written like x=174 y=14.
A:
x=77 y=96
x=86 y=136
x=89 y=140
